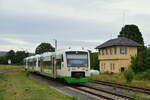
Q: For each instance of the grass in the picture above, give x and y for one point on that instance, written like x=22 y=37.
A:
x=9 y=66
x=17 y=86
x=119 y=78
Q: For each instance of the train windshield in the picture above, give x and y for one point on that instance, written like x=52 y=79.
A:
x=77 y=59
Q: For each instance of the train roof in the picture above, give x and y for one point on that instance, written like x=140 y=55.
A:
x=70 y=49
x=58 y=52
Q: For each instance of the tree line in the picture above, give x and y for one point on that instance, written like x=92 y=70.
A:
x=15 y=57
x=18 y=56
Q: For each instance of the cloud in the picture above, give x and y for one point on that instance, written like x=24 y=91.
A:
x=91 y=41
x=14 y=41
x=87 y=10
x=77 y=23
x=16 y=44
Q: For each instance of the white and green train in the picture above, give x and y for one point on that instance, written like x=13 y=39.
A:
x=73 y=66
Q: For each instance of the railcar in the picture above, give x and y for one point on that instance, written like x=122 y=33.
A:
x=72 y=66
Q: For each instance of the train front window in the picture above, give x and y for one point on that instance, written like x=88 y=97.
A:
x=77 y=59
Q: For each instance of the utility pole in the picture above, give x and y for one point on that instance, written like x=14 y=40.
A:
x=55 y=44
x=124 y=15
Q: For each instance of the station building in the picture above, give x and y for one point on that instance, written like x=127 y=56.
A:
x=115 y=54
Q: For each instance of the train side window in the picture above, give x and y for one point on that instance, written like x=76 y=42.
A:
x=47 y=64
x=62 y=58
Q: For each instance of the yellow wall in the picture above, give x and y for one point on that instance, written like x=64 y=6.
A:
x=116 y=60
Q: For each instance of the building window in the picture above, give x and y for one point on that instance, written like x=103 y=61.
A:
x=115 y=50
x=106 y=51
x=110 y=51
x=99 y=52
x=123 y=50
x=102 y=64
x=113 y=66
x=110 y=66
x=102 y=52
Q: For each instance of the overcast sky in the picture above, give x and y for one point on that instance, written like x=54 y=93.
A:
x=24 y=24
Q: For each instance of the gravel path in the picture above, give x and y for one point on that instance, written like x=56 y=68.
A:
x=63 y=88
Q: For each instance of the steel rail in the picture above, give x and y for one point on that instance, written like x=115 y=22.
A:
x=131 y=88
x=108 y=92
x=92 y=93
x=97 y=95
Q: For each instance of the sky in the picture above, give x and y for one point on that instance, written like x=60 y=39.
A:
x=24 y=24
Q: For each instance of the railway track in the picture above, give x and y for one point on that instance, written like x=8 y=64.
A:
x=125 y=87
x=101 y=93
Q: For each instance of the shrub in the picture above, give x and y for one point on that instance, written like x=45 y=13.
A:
x=143 y=75
x=129 y=75
x=141 y=62
x=111 y=73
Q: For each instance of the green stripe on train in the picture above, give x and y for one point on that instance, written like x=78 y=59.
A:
x=76 y=80
x=70 y=79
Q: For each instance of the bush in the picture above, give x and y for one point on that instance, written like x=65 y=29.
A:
x=129 y=75
x=143 y=75
x=141 y=62
x=3 y=60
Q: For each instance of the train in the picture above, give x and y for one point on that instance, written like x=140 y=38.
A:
x=69 y=65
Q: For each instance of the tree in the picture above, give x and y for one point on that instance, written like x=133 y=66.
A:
x=94 y=60
x=132 y=32
x=3 y=60
x=11 y=55
x=19 y=56
x=44 y=47
x=140 y=63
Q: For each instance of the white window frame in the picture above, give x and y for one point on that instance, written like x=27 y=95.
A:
x=123 y=50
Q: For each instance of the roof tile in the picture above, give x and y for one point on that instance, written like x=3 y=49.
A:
x=120 y=41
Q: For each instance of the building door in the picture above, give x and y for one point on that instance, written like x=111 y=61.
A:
x=54 y=70
x=122 y=69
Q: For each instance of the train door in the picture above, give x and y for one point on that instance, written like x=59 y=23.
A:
x=33 y=65
x=54 y=70
x=41 y=65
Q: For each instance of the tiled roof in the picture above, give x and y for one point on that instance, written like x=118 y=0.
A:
x=120 y=41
